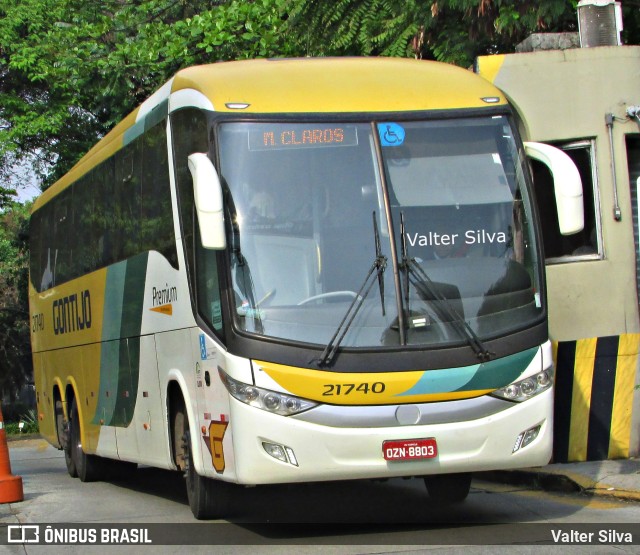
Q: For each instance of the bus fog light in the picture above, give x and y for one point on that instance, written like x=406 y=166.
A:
x=280 y=452
x=526 y=437
x=275 y=450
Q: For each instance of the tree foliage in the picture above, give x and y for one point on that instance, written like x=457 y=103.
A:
x=15 y=356
x=454 y=31
x=69 y=69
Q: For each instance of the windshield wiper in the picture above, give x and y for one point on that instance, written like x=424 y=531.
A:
x=378 y=267
x=381 y=262
x=416 y=275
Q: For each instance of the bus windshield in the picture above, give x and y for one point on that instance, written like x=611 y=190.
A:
x=425 y=226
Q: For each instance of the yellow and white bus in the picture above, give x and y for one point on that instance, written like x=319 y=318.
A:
x=281 y=271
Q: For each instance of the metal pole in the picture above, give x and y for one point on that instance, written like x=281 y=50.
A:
x=617 y=213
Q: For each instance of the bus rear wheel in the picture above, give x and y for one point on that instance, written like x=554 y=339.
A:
x=448 y=489
x=63 y=430
x=89 y=468
x=208 y=499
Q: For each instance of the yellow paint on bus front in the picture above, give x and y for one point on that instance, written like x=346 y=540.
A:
x=369 y=388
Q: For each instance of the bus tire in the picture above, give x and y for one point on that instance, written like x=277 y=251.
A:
x=90 y=468
x=63 y=431
x=208 y=498
x=448 y=489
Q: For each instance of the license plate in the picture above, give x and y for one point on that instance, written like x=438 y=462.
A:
x=410 y=449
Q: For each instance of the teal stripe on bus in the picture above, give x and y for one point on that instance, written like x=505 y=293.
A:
x=477 y=377
x=114 y=286
x=501 y=372
x=109 y=366
x=120 y=358
x=133 y=295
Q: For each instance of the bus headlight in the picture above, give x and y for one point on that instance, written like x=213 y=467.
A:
x=528 y=387
x=271 y=401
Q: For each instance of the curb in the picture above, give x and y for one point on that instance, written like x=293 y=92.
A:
x=23 y=437
x=562 y=482
x=541 y=480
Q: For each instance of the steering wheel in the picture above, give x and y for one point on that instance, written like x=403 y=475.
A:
x=330 y=295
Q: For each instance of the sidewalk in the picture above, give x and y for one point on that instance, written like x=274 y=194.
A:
x=619 y=478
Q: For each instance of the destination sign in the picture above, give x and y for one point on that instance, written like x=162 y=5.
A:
x=282 y=136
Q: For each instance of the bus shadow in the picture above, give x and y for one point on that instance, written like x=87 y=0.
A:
x=365 y=506
x=158 y=482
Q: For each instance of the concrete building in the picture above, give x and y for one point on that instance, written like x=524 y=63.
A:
x=587 y=102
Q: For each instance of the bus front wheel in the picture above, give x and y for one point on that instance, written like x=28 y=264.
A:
x=208 y=498
x=448 y=489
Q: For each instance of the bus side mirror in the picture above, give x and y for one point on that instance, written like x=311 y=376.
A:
x=566 y=184
x=207 y=193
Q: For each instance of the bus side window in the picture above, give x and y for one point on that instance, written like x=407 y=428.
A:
x=208 y=285
x=41 y=263
x=127 y=197
x=63 y=238
x=189 y=135
x=156 y=231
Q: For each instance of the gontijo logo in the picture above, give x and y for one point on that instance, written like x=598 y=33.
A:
x=72 y=313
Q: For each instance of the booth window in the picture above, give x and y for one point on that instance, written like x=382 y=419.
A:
x=587 y=244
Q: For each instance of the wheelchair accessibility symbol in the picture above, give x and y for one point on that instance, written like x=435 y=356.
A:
x=391 y=134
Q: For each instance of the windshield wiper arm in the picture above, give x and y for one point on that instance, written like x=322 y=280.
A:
x=404 y=266
x=443 y=306
x=378 y=267
x=381 y=262
x=423 y=283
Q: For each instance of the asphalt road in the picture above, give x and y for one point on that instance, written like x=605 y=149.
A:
x=395 y=516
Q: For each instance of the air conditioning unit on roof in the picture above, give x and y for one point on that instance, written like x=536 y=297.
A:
x=599 y=22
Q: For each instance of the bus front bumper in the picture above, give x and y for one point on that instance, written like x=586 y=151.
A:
x=308 y=452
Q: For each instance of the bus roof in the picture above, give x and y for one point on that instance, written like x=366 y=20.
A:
x=336 y=85
x=305 y=85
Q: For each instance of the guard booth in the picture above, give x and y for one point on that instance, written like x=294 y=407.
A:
x=586 y=100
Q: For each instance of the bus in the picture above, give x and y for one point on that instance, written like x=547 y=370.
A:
x=285 y=271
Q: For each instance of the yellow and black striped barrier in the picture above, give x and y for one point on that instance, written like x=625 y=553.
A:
x=595 y=381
